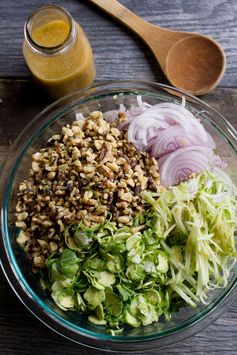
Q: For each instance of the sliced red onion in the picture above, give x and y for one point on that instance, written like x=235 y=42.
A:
x=124 y=125
x=176 y=114
x=122 y=108
x=179 y=165
x=132 y=114
x=79 y=116
x=111 y=116
x=216 y=161
x=140 y=103
x=173 y=135
x=183 y=102
x=173 y=138
x=147 y=128
x=163 y=116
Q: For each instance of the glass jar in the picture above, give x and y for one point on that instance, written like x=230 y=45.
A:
x=57 y=51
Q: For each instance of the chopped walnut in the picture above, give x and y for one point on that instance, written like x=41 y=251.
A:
x=84 y=173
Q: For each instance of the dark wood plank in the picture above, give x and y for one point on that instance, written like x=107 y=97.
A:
x=118 y=52
x=20 y=332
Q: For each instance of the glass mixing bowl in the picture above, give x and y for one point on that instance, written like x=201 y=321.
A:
x=17 y=268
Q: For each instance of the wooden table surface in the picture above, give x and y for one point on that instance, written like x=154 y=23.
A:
x=118 y=55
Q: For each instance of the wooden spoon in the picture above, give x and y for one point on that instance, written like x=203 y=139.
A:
x=192 y=62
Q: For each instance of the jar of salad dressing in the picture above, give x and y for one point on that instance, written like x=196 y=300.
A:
x=57 y=51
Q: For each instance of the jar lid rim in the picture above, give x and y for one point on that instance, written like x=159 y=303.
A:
x=58 y=49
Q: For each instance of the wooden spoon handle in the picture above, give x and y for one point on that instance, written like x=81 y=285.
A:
x=121 y=13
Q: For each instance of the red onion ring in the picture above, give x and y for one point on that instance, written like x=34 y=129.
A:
x=173 y=135
x=179 y=165
x=173 y=138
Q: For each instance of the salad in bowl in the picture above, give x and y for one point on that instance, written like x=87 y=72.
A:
x=126 y=215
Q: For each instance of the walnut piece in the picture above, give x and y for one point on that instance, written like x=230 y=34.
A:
x=84 y=173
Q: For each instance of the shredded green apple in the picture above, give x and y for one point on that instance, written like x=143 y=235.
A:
x=180 y=248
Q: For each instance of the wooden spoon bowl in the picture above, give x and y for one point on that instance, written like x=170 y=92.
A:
x=191 y=62
x=200 y=69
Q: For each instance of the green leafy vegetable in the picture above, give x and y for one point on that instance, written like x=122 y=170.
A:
x=177 y=250
x=94 y=297
x=201 y=244
x=69 y=265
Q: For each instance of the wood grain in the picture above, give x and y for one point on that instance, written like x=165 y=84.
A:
x=20 y=332
x=119 y=54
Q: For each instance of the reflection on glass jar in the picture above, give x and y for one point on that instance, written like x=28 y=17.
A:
x=57 y=51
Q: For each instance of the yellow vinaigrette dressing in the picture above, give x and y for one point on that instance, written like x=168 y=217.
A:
x=51 y=34
x=58 y=52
